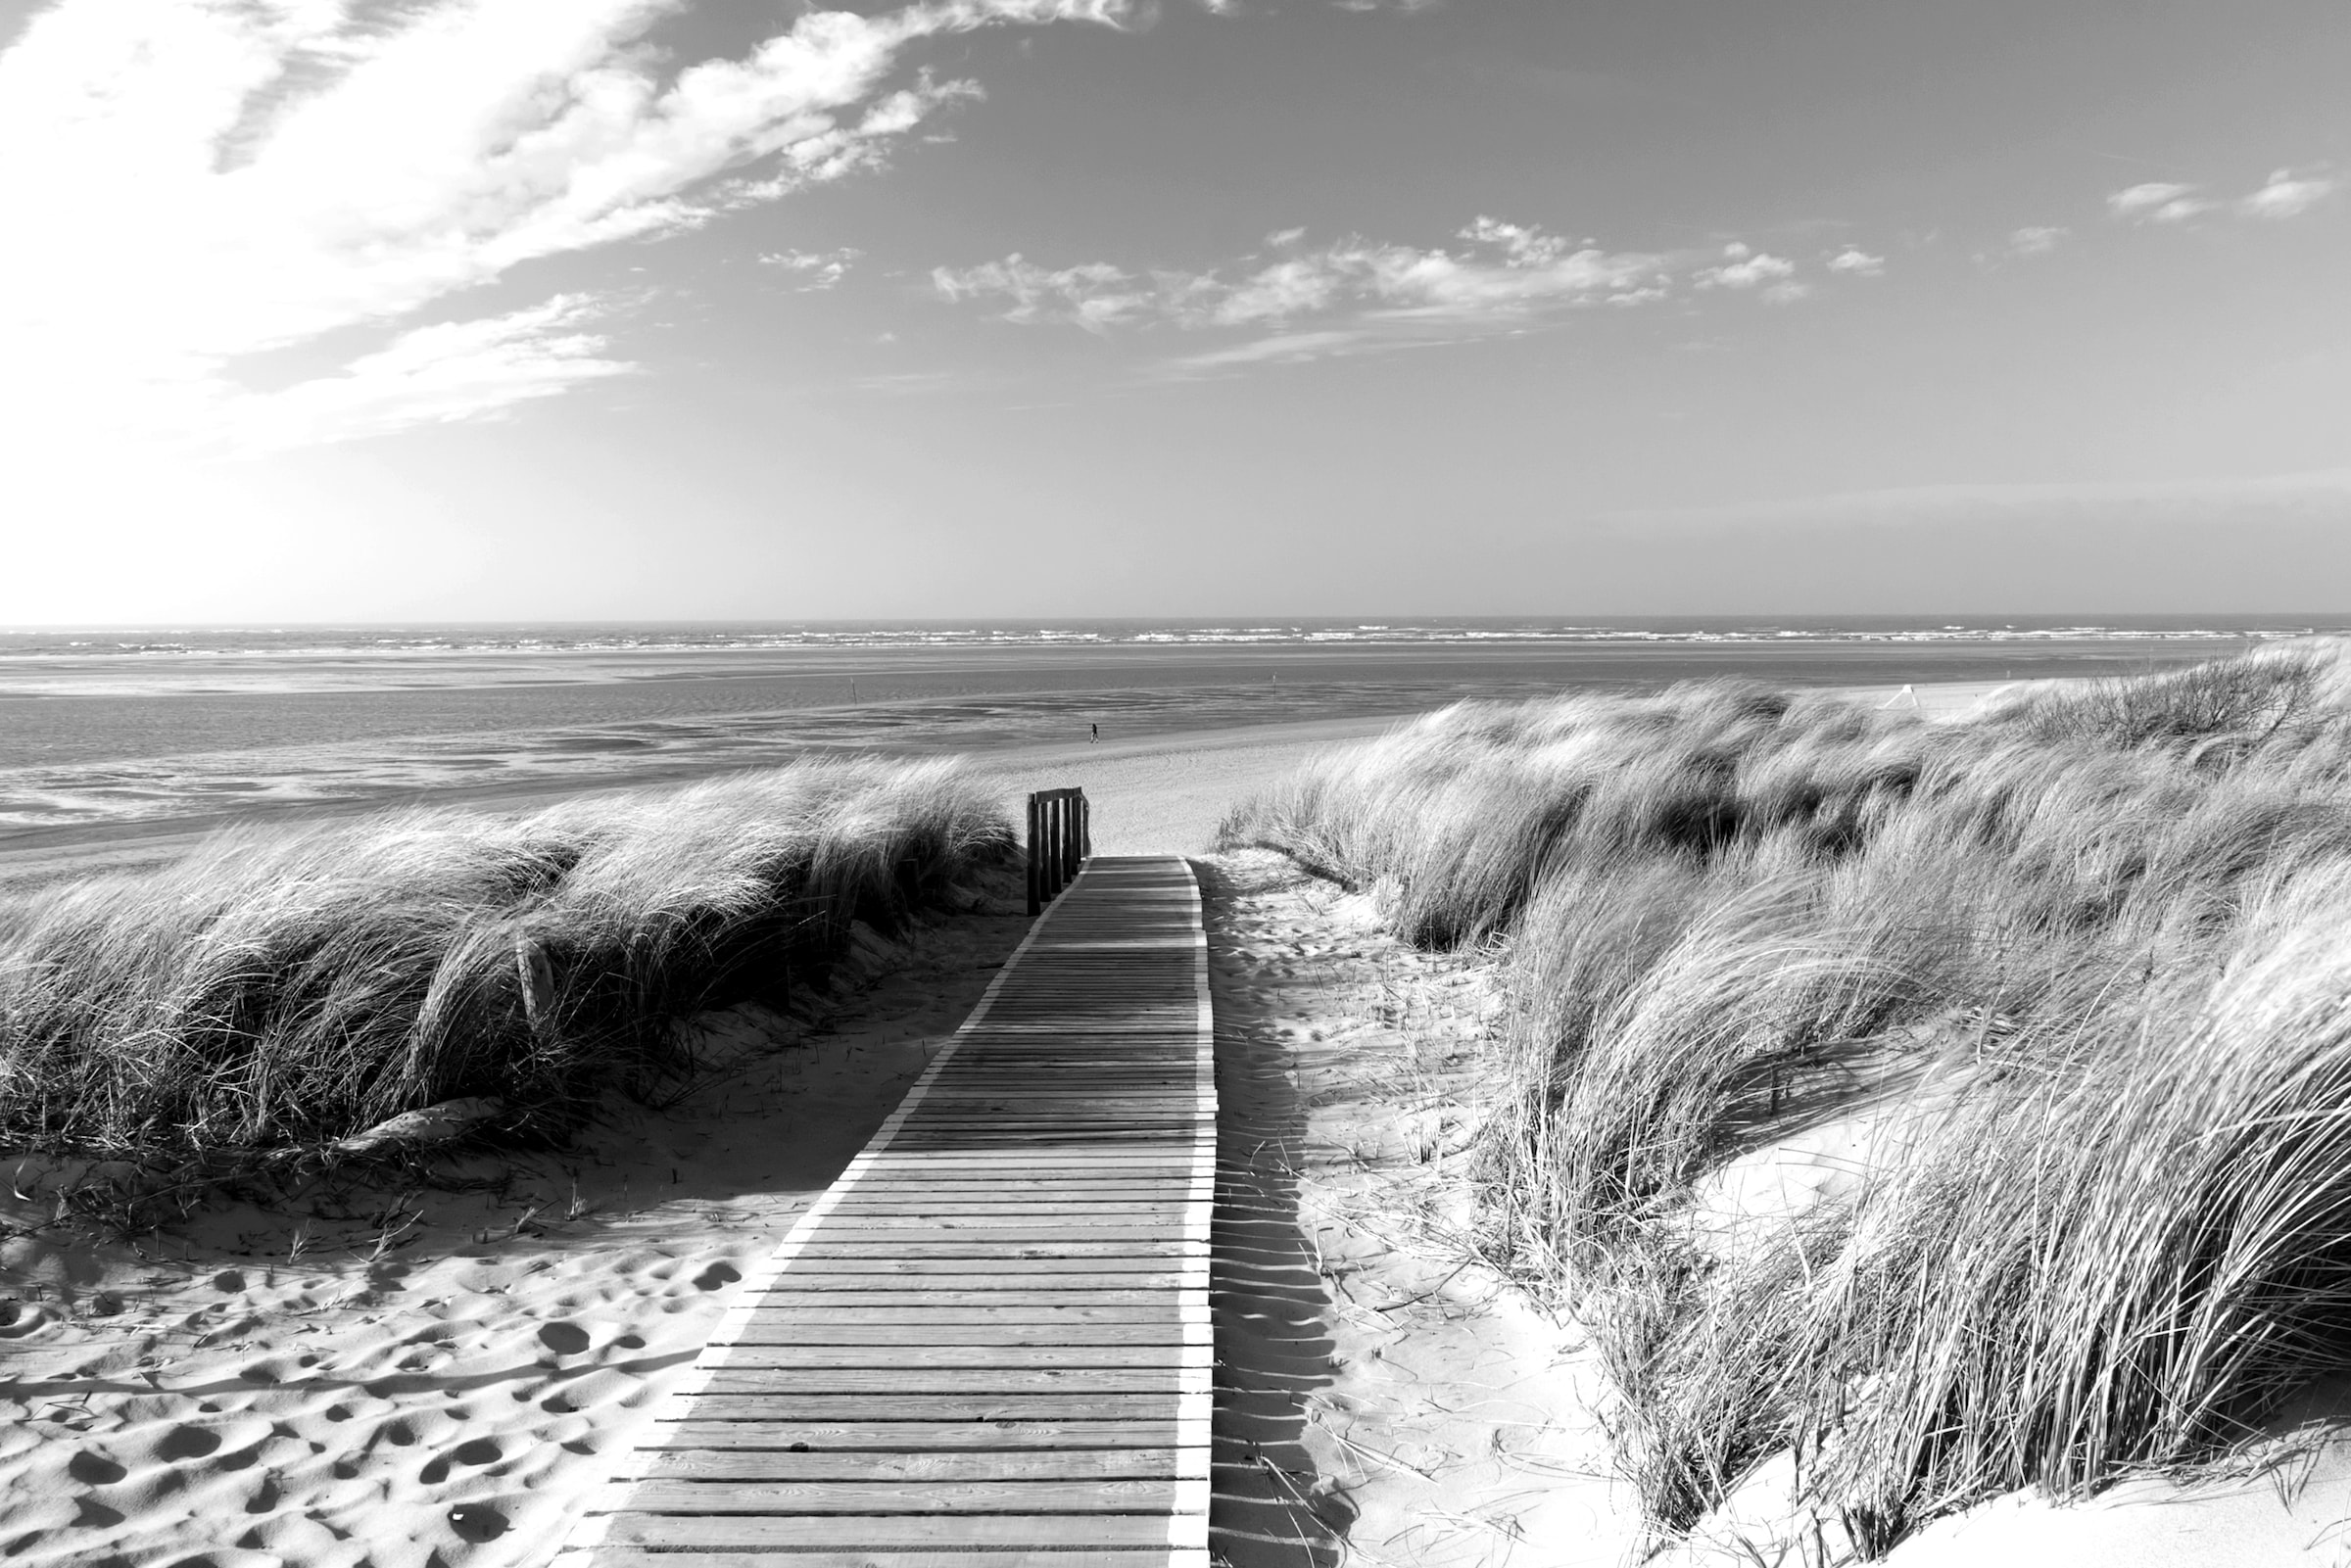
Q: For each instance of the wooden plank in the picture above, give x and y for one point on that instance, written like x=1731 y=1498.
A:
x=991 y=1274
x=1159 y=1495
x=739 y=1356
x=758 y=1434
x=931 y=1381
x=855 y=1301
x=1108 y=1212
x=916 y=1532
x=982 y=1228
x=1001 y=1557
x=829 y=1332
x=999 y=1246
x=789 y=1407
x=1168 y=1311
x=951 y=1466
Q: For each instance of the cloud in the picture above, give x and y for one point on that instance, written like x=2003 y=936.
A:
x=1282 y=348
x=2036 y=240
x=439 y=374
x=817 y=270
x=1095 y=295
x=2157 y=201
x=1356 y=294
x=2287 y=195
x=1504 y=273
x=1854 y=261
x=1504 y=277
x=192 y=185
x=1746 y=268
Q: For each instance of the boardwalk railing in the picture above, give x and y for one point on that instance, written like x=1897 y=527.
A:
x=1061 y=840
x=987 y=1345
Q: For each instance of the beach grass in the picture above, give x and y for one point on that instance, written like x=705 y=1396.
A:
x=2075 y=963
x=283 y=987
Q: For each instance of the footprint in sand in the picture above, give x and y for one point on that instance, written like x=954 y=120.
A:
x=716 y=1276
x=18 y=1320
x=91 y=1515
x=564 y=1339
x=94 y=1469
x=187 y=1442
x=481 y=1451
x=476 y=1522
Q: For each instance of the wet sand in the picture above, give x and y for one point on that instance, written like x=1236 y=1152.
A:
x=90 y=743
x=1150 y=794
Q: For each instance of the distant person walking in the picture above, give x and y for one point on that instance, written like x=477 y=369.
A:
x=1097 y=728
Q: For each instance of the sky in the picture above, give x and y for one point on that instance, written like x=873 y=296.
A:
x=471 y=309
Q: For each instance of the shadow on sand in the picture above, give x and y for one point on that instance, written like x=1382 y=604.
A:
x=1270 y=1508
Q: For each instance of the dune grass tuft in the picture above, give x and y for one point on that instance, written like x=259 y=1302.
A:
x=285 y=987
x=2078 y=959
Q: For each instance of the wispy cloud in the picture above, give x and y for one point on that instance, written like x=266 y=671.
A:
x=1854 y=261
x=441 y=375
x=2287 y=194
x=1744 y=267
x=813 y=271
x=2157 y=201
x=2036 y=240
x=1356 y=294
x=188 y=185
x=1094 y=295
x=1282 y=348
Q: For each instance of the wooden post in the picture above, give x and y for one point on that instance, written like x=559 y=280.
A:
x=1037 y=901
x=1044 y=847
x=1061 y=833
x=1061 y=840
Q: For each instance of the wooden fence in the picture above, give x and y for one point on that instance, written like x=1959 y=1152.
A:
x=1061 y=840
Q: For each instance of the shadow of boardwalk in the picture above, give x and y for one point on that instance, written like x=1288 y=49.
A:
x=1266 y=1294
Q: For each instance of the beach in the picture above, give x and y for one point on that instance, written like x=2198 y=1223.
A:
x=171 y=735
x=439 y=1372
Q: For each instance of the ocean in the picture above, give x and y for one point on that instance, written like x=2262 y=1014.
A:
x=109 y=726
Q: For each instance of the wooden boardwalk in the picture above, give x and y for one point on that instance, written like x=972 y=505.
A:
x=988 y=1342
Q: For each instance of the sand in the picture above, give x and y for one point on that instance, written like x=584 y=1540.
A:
x=1375 y=1382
